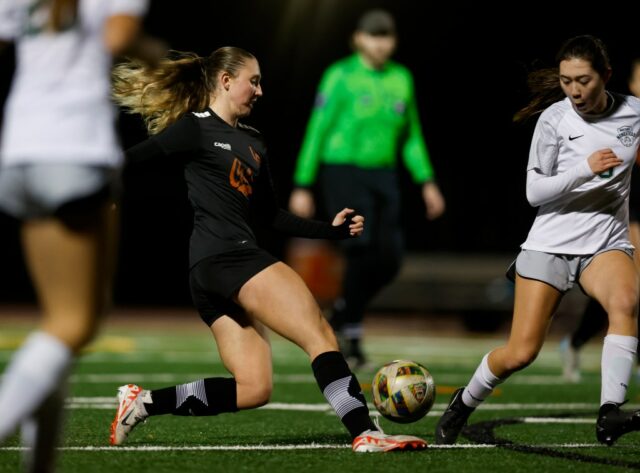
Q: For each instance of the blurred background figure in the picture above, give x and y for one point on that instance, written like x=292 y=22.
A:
x=364 y=116
x=59 y=166
x=594 y=318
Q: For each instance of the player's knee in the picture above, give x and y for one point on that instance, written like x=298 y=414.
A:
x=75 y=335
x=623 y=302
x=520 y=359
x=258 y=394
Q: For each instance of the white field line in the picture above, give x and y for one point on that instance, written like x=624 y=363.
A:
x=176 y=377
x=310 y=446
x=102 y=402
x=546 y=359
x=154 y=349
x=141 y=378
x=557 y=420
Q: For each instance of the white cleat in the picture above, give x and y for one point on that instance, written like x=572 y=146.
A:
x=371 y=441
x=131 y=412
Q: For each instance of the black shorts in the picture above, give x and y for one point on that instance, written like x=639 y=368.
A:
x=215 y=280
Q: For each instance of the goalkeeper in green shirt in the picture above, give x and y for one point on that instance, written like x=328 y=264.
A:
x=364 y=116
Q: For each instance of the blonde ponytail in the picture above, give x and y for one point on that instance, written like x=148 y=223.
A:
x=164 y=93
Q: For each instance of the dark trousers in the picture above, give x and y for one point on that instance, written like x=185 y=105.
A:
x=373 y=259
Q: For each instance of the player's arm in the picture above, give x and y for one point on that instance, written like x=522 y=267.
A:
x=543 y=186
x=542 y=189
x=416 y=158
x=181 y=137
x=10 y=24
x=325 y=108
x=414 y=151
x=123 y=36
x=345 y=224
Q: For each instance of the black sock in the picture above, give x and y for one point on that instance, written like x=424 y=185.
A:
x=341 y=388
x=204 y=397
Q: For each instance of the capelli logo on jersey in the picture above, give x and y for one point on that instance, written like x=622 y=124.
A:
x=626 y=135
x=226 y=146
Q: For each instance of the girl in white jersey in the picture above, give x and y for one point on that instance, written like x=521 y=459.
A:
x=578 y=175
x=58 y=155
x=594 y=318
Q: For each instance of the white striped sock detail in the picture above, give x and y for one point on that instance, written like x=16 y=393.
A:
x=195 y=389
x=337 y=393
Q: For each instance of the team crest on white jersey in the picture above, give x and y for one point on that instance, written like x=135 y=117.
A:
x=226 y=146
x=626 y=135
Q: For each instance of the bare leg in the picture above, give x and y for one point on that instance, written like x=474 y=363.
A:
x=613 y=281
x=68 y=268
x=534 y=305
x=245 y=351
x=70 y=271
x=279 y=299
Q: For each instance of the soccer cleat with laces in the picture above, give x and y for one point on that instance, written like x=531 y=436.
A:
x=131 y=412
x=613 y=422
x=453 y=420
x=371 y=441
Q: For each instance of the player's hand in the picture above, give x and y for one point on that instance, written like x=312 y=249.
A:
x=301 y=203
x=433 y=200
x=356 y=227
x=603 y=160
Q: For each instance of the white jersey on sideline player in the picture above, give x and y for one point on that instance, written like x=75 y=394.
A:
x=562 y=139
x=76 y=123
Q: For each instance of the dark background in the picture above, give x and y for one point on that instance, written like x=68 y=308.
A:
x=470 y=65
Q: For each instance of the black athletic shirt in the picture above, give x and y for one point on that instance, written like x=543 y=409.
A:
x=228 y=180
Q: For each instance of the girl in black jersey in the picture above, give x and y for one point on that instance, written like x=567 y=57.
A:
x=192 y=106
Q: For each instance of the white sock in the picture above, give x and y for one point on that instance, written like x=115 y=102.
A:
x=40 y=433
x=481 y=384
x=35 y=371
x=618 y=358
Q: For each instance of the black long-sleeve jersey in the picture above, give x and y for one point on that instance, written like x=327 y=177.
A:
x=228 y=180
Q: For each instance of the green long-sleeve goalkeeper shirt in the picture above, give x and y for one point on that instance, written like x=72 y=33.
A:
x=362 y=117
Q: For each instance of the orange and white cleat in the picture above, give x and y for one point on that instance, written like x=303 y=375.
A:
x=377 y=441
x=131 y=412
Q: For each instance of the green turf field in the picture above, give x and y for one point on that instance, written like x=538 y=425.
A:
x=534 y=423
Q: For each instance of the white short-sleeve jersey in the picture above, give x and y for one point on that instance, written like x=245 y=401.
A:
x=59 y=107
x=582 y=213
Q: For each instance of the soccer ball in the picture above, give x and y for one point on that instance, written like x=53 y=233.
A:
x=403 y=391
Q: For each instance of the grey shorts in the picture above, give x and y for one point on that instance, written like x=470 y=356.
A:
x=559 y=271
x=41 y=190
